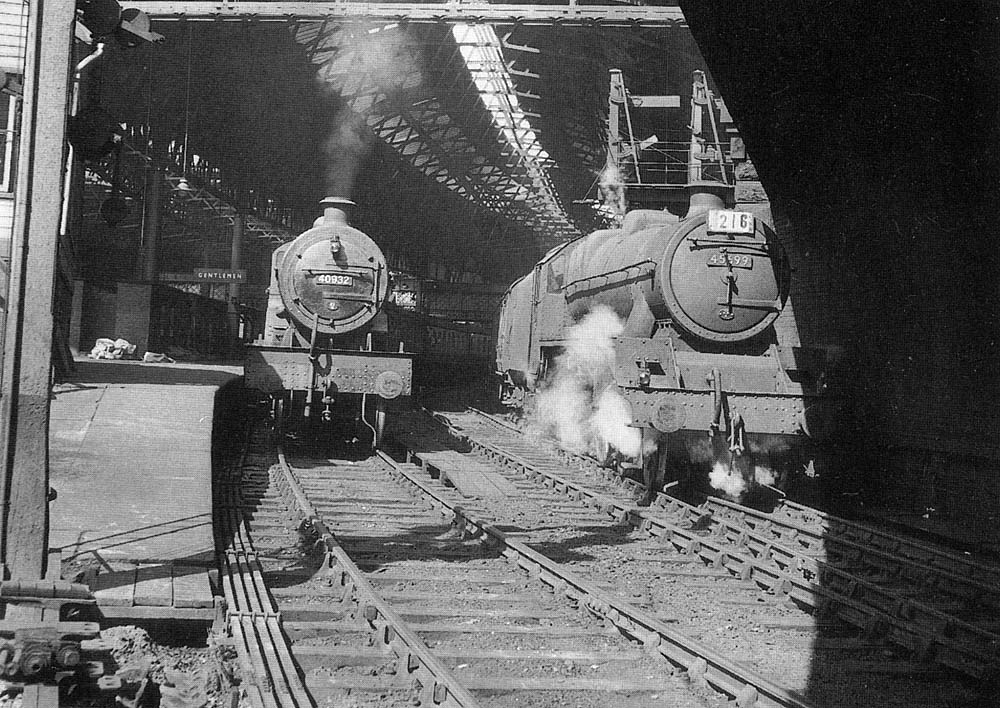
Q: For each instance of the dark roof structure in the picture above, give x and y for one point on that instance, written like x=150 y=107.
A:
x=470 y=147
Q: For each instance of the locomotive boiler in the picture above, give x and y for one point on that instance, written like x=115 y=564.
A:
x=695 y=356
x=321 y=357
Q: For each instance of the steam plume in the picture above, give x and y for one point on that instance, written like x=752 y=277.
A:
x=580 y=405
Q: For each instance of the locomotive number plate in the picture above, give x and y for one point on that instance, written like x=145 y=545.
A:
x=734 y=260
x=730 y=222
x=334 y=279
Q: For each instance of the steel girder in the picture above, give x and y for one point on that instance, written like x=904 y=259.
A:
x=567 y=14
x=192 y=211
x=451 y=113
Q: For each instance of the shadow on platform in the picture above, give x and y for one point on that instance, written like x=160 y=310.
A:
x=88 y=371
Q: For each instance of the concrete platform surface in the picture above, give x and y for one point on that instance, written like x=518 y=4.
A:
x=130 y=459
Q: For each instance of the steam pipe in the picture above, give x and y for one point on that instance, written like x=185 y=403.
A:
x=312 y=366
x=716 y=378
x=74 y=106
x=89 y=59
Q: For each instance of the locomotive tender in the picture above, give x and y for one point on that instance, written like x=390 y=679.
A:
x=698 y=354
x=318 y=356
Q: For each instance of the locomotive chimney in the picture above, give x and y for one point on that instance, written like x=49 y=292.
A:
x=336 y=210
x=703 y=196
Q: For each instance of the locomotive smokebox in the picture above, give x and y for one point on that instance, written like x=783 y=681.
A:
x=333 y=278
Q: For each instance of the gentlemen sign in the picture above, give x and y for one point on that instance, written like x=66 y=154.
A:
x=218 y=275
x=207 y=275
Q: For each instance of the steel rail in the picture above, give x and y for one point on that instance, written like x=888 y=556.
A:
x=702 y=664
x=438 y=685
x=832 y=525
x=938 y=637
x=963 y=586
x=895 y=563
x=254 y=621
x=528 y=14
x=947 y=563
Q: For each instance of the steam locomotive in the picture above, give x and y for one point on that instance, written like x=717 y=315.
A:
x=696 y=364
x=322 y=357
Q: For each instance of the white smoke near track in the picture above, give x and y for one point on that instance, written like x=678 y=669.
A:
x=763 y=475
x=729 y=474
x=580 y=405
x=611 y=418
x=562 y=410
x=727 y=480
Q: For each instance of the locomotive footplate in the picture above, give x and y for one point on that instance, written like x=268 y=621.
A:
x=272 y=369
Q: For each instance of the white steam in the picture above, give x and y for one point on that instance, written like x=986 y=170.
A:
x=763 y=475
x=562 y=410
x=580 y=405
x=727 y=480
x=611 y=421
x=590 y=348
x=731 y=480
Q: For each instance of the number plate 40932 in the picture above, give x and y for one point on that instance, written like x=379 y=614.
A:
x=333 y=279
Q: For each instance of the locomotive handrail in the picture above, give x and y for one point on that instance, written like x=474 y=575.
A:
x=712 y=243
x=346 y=270
x=645 y=268
x=775 y=305
x=354 y=297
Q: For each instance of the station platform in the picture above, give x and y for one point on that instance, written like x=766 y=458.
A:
x=131 y=462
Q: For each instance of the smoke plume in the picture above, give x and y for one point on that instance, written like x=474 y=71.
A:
x=346 y=146
x=369 y=64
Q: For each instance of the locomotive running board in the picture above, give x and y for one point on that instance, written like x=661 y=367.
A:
x=271 y=369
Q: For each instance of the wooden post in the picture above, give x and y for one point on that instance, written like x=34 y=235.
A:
x=25 y=386
x=153 y=204
x=235 y=261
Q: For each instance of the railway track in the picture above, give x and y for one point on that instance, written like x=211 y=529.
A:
x=920 y=619
x=371 y=582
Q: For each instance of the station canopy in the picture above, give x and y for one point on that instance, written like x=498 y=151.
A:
x=472 y=138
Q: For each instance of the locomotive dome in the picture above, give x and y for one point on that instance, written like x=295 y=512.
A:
x=333 y=276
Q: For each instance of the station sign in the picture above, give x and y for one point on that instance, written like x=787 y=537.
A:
x=219 y=275
x=206 y=275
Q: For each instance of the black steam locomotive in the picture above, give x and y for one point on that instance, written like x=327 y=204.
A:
x=696 y=365
x=321 y=357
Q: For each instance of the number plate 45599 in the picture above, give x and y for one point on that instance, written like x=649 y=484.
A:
x=730 y=260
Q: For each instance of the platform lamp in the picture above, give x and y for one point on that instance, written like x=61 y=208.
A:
x=183 y=184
